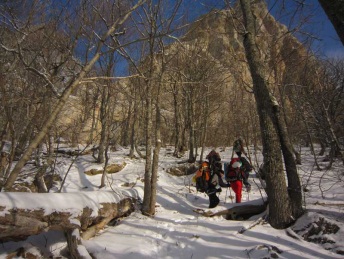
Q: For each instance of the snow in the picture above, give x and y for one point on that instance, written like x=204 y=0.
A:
x=176 y=231
x=58 y=200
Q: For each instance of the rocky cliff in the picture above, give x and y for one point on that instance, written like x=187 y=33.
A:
x=219 y=37
x=222 y=31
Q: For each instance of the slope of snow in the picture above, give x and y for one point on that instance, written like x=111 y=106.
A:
x=176 y=231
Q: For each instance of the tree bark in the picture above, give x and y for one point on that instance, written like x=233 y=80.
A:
x=75 y=247
x=133 y=123
x=190 y=114
x=39 y=179
x=155 y=165
x=273 y=138
x=148 y=165
x=294 y=184
x=147 y=198
x=104 y=108
x=177 y=118
x=335 y=145
x=204 y=123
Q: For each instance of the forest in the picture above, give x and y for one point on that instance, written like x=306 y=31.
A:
x=150 y=74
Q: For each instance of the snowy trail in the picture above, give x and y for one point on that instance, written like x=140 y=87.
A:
x=177 y=231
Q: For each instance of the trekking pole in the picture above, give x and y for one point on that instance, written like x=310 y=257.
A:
x=226 y=195
x=230 y=193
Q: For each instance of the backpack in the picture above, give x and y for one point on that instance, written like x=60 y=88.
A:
x=214 y=160
x=237 y=145
x=202 y=180
x=231 y=174
x=246 y=166
x=213 y=156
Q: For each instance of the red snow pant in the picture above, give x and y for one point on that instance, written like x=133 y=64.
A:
x=237 y=188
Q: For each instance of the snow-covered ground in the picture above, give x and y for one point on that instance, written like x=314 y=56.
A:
x=177 y=231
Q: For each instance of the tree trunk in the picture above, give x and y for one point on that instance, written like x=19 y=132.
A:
x=139 y=152
x=335 y=145
x=322 y=150
x=75 y=248
x=280 y=213
x=204 y=123
x=125 y=130
x=177 y=117
x=104 y=122
x=155 y=165
x=146 y=206
x=24 y=139
x=133 y=125
x=104 y=174
x=94 y=118
x=39 y=179
x=297 y=157
x=148 y=181
x=190 y=113
x=294 y=184
x=311 y=141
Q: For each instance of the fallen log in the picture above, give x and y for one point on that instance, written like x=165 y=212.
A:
x=75 y=247
x=243 y=212
x=240 y=212
x=26 y=214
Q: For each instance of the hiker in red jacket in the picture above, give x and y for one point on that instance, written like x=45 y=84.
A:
x=237 y=176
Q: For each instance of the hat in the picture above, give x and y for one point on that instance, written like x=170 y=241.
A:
x=237 y=164
x=205 y=164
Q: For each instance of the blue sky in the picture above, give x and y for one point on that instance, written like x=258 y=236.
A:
x=328 y=41
x=325 y=41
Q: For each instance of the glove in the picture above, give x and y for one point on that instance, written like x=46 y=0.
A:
x=218 y=188
x=248 y=188
x=210 y=191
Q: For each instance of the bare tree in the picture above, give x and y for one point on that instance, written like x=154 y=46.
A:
x=285 y=204
x=157 y=24
x=319 y=102
x=71 y=85
x=196 y=84
x=37 y=57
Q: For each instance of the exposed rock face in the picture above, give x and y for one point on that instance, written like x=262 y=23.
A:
x=218 y=37
x=222 y=32
x=219 y=40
